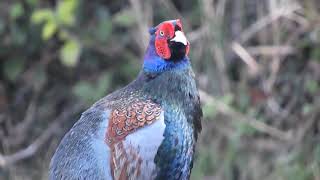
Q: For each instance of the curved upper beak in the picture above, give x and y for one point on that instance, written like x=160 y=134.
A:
x=180 y=37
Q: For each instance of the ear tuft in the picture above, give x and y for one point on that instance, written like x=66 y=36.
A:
x=152 y=30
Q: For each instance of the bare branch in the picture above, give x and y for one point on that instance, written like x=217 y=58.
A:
x=6 y=160
x=238 y=116
x=143 y=15
x=246 y=57
x=282 y=50
x=263 y=22
x=175 y=13
x=213 y=23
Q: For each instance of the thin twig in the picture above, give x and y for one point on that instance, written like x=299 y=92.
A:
x=213 y=24
x=174 y=13
x=196 y=35
x=246 y=57
x=18 y=132
x=6 y=160
x=282 y=50
x=310 y=120
x=263 y=22
x=238 y=116
x=143 y=15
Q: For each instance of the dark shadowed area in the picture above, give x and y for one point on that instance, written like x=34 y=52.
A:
x=257 y=65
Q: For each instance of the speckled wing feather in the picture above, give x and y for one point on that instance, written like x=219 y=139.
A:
x=129 y=118
x=126 y=159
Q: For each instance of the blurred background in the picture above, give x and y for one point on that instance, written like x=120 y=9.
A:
x=257 y=65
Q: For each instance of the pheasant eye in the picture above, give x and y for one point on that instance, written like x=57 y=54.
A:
x=161 y=33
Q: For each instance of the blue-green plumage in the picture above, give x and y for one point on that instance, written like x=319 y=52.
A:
x=174 y=87
x=163 y=147
x=176 y=91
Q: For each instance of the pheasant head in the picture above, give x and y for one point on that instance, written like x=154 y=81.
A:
x=168 y=47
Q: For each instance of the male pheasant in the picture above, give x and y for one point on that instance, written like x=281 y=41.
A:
x=146 y=130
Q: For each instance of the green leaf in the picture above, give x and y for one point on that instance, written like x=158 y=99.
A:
x=227 y=99
x=41 y=16
x=16 y=10
x=49 y=29
x=18 y=35
x=296 y=171
x=70 y=52
x=243 y=99
x=124 y=18
x=105 y=25
x=85 y=91
x=2 y=26
x=91 y=92
x=316 y=153
x=306 y=108
x=66 y=11
x=206 y=162
x=13 y=68
x=245 y=129
x=312 y=86
x=131 y=66
x=32 y=2
x=63 y=35
x=209 y=110
x=315 y=53
x=40 y=77
x=103 y=83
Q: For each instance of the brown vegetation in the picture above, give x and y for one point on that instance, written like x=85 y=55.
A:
x=257 y=65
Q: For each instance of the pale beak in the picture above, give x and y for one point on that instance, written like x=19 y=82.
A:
x=180 y=37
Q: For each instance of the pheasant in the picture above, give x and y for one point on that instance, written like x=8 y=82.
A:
x=146 y=130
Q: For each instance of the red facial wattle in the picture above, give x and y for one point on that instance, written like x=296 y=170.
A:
x=165 y=31
x=162 y=48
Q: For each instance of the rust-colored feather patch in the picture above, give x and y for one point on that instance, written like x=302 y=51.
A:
x=128 y=118
x=125 y=163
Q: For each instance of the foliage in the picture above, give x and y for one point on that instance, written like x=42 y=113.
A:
x=59 y=57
